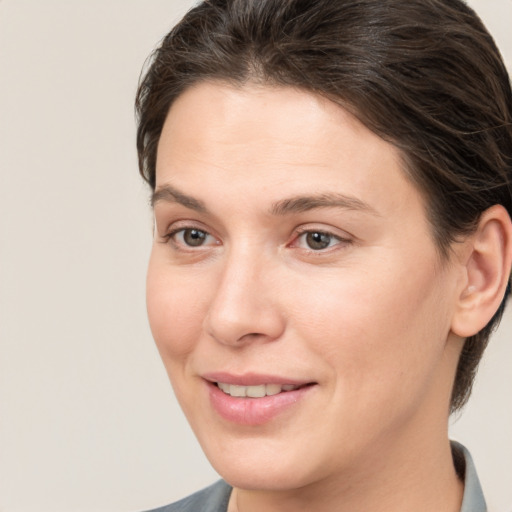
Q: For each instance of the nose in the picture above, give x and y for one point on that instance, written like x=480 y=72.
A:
x=245 y=306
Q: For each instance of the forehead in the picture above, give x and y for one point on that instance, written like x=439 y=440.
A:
x=221 y=121
x=269 y=142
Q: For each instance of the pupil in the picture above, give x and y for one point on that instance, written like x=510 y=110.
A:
x=194 y=237
x=317 y=240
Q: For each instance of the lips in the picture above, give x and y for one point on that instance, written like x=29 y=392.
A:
x=254 y=399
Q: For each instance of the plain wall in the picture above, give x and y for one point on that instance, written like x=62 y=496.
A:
x=87 y=417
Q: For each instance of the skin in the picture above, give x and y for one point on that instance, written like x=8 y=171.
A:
x=368 y=319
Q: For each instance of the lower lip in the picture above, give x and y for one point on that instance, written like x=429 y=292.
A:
x=253 y=411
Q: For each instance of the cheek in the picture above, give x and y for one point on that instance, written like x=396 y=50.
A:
x=175 y=311
x=378 y=330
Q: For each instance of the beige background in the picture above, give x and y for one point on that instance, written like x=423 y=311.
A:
x=87 y=420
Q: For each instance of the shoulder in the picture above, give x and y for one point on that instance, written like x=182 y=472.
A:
x=212 y=499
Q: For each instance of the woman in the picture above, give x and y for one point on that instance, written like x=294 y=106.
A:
x=331 y=191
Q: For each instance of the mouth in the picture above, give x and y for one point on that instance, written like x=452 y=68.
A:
x=255 y=398
x=258 y=391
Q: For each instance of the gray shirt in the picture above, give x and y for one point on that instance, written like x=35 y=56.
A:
x=216 y=497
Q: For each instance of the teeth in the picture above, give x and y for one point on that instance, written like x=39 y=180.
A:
x=255 y=391
x=224 y=387
x=237 y=390
x=273 y=389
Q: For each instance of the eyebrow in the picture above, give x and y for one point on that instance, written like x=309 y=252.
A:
x=169 y=194
x=300 y=204
x=296 y=204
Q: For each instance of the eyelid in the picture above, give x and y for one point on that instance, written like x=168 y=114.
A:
x=328 y=230
x=178 y=226
x=342 y=238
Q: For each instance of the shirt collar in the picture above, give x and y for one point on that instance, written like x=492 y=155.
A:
x=473 y=499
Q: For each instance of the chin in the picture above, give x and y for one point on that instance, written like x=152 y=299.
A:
x=261 y=464
x=265 y=477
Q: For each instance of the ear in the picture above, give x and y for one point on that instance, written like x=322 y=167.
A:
x=487 y=263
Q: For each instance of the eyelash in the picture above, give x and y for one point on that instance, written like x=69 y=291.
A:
x=305 y=232
x=302 y=233
x=171 y=236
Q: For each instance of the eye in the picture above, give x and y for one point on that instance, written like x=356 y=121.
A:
x=191 y=237
x=317 y=240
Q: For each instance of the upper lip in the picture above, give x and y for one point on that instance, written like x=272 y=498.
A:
x=252 y=379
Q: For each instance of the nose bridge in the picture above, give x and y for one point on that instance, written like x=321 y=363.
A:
x=243 y=307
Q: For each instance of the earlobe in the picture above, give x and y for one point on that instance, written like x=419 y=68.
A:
x=487 y=267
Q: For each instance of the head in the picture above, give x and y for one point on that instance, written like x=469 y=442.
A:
x=424 y=76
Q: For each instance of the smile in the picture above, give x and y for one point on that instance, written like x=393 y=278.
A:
x=255 y=391
x=253 y=403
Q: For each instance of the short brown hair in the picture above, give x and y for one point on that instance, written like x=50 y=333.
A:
x=424 y=75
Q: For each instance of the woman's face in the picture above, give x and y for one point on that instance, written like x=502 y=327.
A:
x=293 y=263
